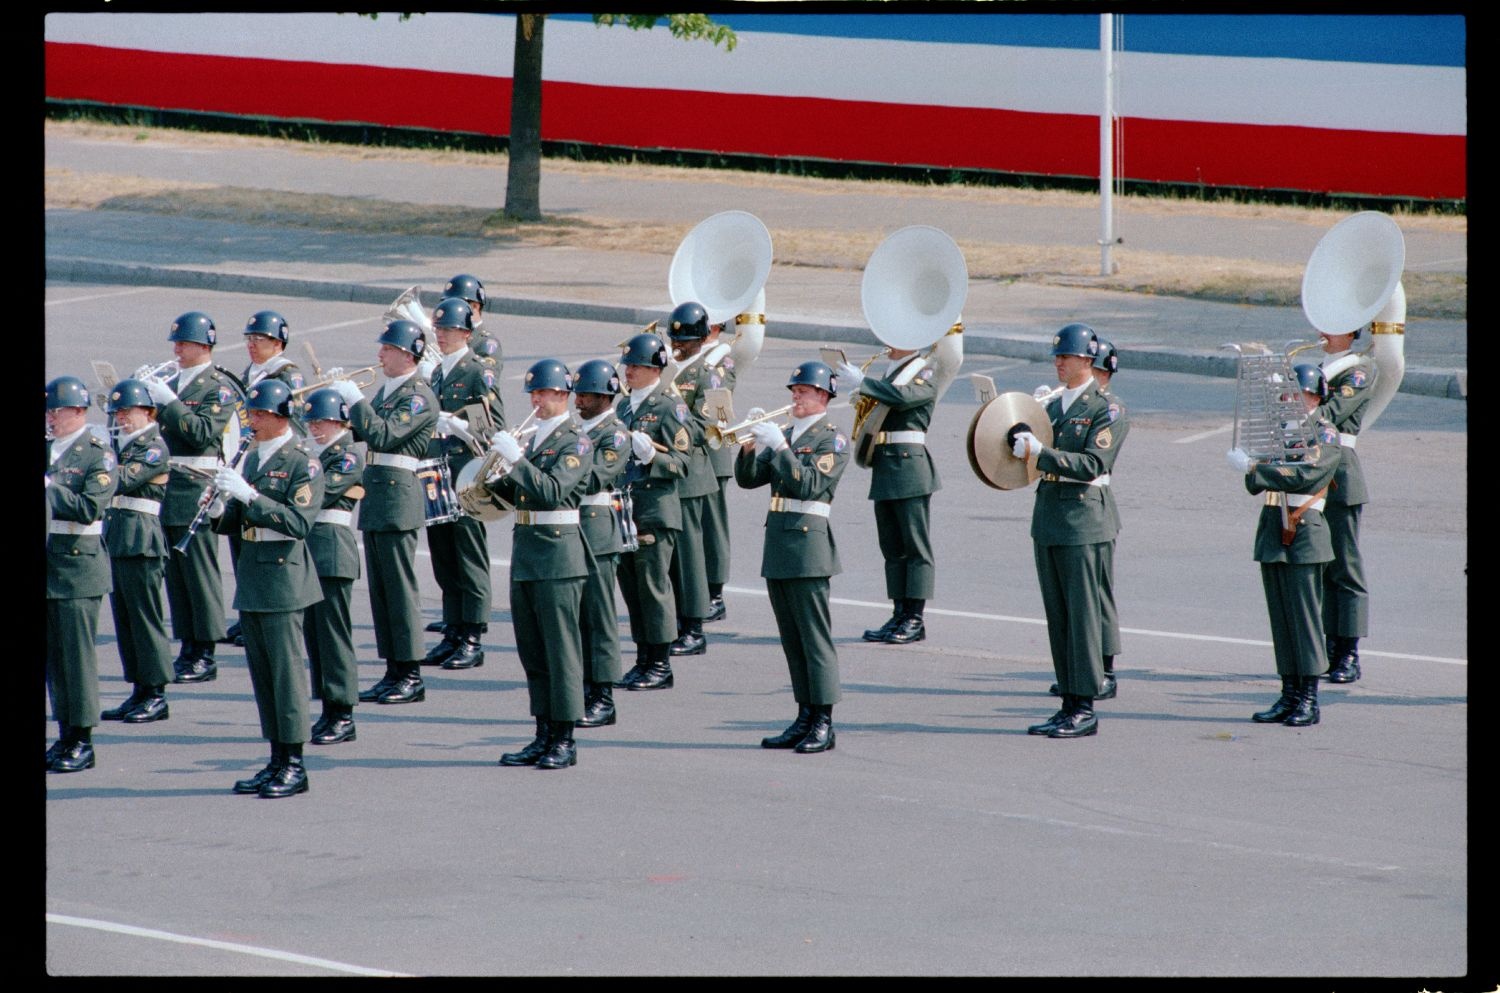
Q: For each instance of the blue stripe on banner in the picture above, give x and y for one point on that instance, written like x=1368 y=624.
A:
x=1394 y=39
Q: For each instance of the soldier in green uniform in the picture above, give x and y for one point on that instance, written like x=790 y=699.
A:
x=396 y=427
x=460 y=547
x=192 y=410
x=595 y=388
x=662 y=434
x=902 y=481
x=1346 y=598
x=328 y=625
x=137 y=554
x=1073 y=524
x=485 y=346
x=79 y=482
x=688 y=329
x=802 y=464
x=272 y=505
x=1292 y=546
x=549 y=562
x=716 y=538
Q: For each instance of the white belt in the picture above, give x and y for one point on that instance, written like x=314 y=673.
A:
x=152 y=507
x=1049 y=477
x=344 y=517
x=901 y=438
x=786 y=505
x=1348 y=440
x=604 y=499
x=407 y=462
x=195 y=461
x=1275 y=499
x=73 y=527
x=536 y=517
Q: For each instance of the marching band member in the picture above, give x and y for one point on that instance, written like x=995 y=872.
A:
x=1073 y=524
x=802 y=465
x=396 y=426
x=485 y=346
x=328 y=625
x=272 y=505
x=138 y=551
x=79 y=482
x=549 y=562
x=1292 y=545
x=716 y=538
x=460 y=548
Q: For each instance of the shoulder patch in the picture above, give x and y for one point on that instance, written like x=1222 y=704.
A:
x=839 y=441
x=153 y=456
x=313 y=469
x=584 y=445
x=108 y=461
x=1114 y=412
x=348 y=462
x=620 y=440
x=295 y=380
x=489 y=377
x=1327 y=434
x=681 y=410
x=417 y=403
x=1357 y=378
x=226 y=395
x=715 y=380
x=571 y=461
x=727 y=364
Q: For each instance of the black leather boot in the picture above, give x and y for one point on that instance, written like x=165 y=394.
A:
x=201 y=668
x=716 y=609
x=184 y=656
x=599 y=705
x=407 y=689
x=533 y=752
x=291 y=778
x=657 y=672
x=338 y=728
x=1108 y=688
x=794 y=733
x=255 y=782
x=691 y=640
x=561 y=749
x=820 y=736
x=1080 y=721
x=1047 y=726
x=64 y=740
x=153 y=707
x=137 y=694
x=469 y=654
x=911 y=626
x=634 y=671
x=1306 y=713
x=1343 y=661
x=1284 y=705
x=440 y=652
x=79 y=753
x=898 y=610
x=391 y=677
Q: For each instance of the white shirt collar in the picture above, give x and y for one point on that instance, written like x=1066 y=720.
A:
x=801 y=424
x=189 y=373
x=638 y=397
x=545 y=428
x=320 y=449
x=1070 y=395
x=449 y=361
x=393 y=383
x=594 y=422
x=265 y=449
x=126 y=439
x=61 y=445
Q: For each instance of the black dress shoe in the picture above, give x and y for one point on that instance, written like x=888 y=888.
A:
x=884 y=631
x=1344 y=661
x=78 y=756
x=691 y=641
x=1046 y=726
x=290 y=779
x=716 y=610
x=1284 y=705
x=407 y=689
x=234 y=635
x=1306 y=711
x=133 y=701
x=599 y=707
x=909 y=629
x=467 y=654
x=1055 y=690
x=64 y=739
x=441 y=651
x=794 y=733
x=653 y=676
x=338 y=729
x=1080 y=721
x=562 y=752
x=533 y=752
x=1107 y=689
x=630 y=676
x=152 y=708
x=820 y=736
x=251 y=786
x=436 y=627
x=185 y=655
x=320 y=724
x=381 y=686
x=199 y=670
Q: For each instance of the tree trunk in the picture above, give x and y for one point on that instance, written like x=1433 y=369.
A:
x=524 y=178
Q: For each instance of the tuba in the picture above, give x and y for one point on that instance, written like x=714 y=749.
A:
x=408 y=307
x=1353 y=278
x=723 y=264
x=913 y=293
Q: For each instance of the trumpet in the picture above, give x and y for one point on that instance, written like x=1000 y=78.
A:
x=738 y=434
x=363 y=378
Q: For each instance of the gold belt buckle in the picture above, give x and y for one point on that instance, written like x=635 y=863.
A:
x=523 y=517
x=249 y=534
x=1275 y=498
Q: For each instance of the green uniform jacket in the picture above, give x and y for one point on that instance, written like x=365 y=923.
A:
x=1349 y=394
x=276 y=572
x=334 y=552
x=550 y=478
x=193 y=425
x=1084 y=443
x=130 y=533
x=901 y=471
x=691 y=382
x=1119 y=428
x=797 y=545
x=487 y=348
x=611 y=452
x=400 y=422
x=1312 y=544
x=471 y=381
x=664 y=416
x=718 y=358
x=282 y=368
x=83 y=480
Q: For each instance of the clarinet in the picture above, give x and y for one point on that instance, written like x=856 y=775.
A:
x=206 y=501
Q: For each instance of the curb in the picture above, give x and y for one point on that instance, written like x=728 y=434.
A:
x=1446 y=384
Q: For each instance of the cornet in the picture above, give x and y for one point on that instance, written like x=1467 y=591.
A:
x=738 y=434
x=363 y=378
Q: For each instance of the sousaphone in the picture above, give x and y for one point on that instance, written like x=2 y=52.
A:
x=723 y=263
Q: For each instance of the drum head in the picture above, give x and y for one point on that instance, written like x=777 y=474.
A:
x=990 y=456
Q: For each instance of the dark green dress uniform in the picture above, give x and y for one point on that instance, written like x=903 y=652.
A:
x=460 y=549
x=1073 y=526
x=83 y=479
x=284 y=369
x=689 y=565
x=396 y=427
x=328 y=626
x=276 y=580
x=716 y=538
x=193 y=428
x=902 y=481
x=645 y=574
x=1109 y=614
x=799 y=554
x=1346 y=598
x=598 y=620
x=486 y=347
x=138 y=553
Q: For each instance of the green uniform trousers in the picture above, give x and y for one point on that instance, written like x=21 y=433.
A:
x=689 y=573
x=716 y=535
x=645 y=579
x=273 y=651
x=139 y=609
x=72 y=665
x=902 y=528
x=1294 y=599
x=1070 y=577
x=545 y=616
x=461 y=565
x=395 y=598
x=195 y=591
x=806 y=629
x=328 y=632
x=1346 y=599
x=1110 y=636
x=598 y=622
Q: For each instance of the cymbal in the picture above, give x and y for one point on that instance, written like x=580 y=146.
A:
x=990 y=456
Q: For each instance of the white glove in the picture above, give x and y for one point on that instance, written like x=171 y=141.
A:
x=445 y=425
x=506 y=446
x=46 y=480
x=1040 y=392
x=644 y=450
x=850 y=377
x=1238 y=460
x=160 y=392
x=1027 y=445
x=348 y=390
x=768 y=436
x=428 y=363
x=230 y=483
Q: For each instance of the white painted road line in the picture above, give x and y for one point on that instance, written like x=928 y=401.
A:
x=1203 y=434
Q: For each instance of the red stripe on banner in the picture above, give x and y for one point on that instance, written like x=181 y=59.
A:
x=1191 y=152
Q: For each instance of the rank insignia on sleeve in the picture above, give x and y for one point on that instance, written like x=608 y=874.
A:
x=303 y=496
x=680 y=440
x=1346 y=390
x=571 y=461
x=825 y=463
x=1104 y=439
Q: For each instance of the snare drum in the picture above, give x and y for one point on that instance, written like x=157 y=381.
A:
x=440 y=500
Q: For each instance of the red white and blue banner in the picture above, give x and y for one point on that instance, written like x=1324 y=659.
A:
x=1353 y=104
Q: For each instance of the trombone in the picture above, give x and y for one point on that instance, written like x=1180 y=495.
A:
x=738 y=434
x=363 y=378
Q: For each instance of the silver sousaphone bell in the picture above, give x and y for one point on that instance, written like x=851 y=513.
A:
x=723 y=263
